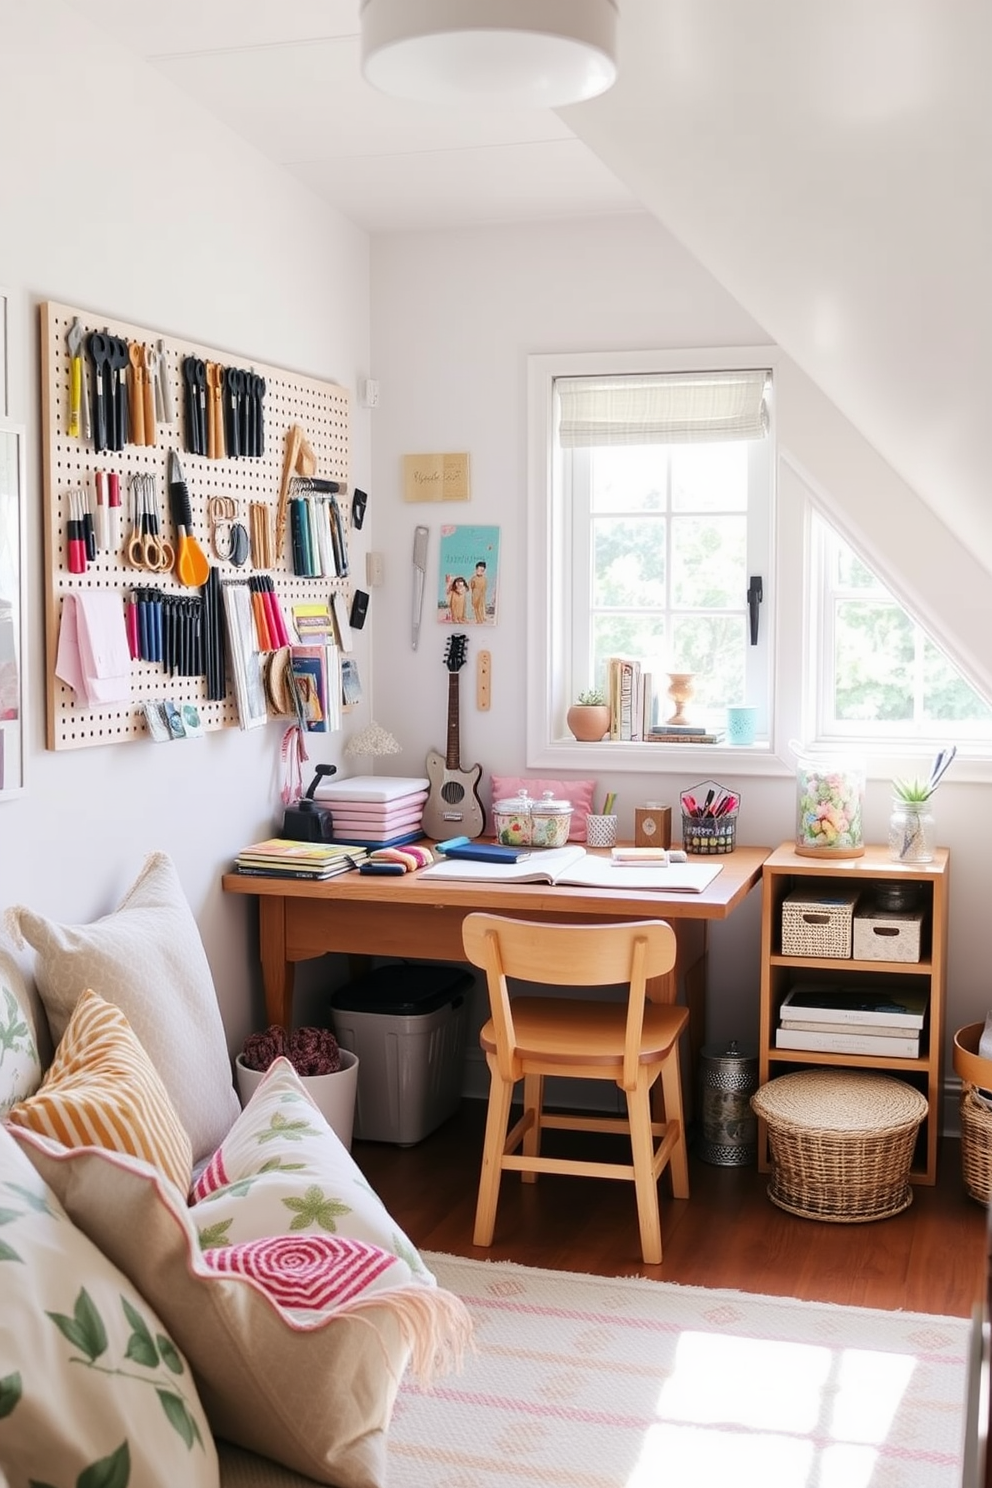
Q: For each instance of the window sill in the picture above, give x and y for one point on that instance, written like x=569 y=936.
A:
x=635 y=758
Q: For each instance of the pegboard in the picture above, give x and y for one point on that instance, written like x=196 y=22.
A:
x=321 y=409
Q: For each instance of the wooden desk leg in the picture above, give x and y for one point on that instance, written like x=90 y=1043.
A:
x=277 y=971
x=689 y=979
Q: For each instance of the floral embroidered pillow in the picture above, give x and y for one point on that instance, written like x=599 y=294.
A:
x=92 y=1386
x=20 y=1062
x=282 y=1170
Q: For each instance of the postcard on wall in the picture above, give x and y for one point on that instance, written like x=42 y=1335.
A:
x=468 y=575
x=435 y=477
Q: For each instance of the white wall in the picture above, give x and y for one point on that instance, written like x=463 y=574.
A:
x=122 y=197
x=454 y=317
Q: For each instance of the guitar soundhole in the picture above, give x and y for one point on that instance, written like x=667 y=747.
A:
x=452 y=792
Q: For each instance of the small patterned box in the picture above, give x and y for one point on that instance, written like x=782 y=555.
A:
x=889 y=936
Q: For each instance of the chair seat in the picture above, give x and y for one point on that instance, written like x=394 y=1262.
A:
x=565 y=1031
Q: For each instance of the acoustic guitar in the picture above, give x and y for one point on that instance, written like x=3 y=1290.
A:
x=453 y=807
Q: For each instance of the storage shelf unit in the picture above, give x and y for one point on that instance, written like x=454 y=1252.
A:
x=786 y=870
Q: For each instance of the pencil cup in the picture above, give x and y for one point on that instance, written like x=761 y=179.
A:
x=601 y=831
x=707 y=835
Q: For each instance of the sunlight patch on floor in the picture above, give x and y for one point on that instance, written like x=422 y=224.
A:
x=766 y=1414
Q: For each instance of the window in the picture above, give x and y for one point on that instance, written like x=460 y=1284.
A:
x=651 y=507
x=877 y=674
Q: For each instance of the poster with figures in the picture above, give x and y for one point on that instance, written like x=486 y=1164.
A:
x=468 y=575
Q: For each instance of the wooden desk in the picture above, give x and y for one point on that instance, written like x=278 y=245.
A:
x=413 y=916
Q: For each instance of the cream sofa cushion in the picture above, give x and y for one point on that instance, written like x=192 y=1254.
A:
x=148 y=959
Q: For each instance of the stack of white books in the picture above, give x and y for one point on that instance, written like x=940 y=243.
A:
x=853 y=1020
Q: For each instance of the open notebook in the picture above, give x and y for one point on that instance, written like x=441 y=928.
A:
x=574 y=867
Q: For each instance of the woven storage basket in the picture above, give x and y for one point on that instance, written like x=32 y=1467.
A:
x=841 y=1142
x=976 y=1112
x=818 y=926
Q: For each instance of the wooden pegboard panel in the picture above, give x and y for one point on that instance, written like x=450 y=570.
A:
x=321 y=409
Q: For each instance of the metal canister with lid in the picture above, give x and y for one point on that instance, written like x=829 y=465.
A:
x=728 y=1077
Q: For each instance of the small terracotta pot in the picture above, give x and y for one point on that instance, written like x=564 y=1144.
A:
x=588 y=721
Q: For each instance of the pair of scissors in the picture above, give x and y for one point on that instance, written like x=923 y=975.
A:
x=146 y=548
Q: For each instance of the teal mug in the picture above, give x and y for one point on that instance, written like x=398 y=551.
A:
x=742 y=725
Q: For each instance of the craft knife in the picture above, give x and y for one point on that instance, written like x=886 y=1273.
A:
x=420 y=536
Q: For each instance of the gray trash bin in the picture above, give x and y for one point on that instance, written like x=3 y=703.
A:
x=407 y=1023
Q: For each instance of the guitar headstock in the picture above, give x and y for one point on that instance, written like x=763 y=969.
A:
x=454 y=652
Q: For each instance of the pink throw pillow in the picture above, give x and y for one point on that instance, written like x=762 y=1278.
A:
x=579 y=792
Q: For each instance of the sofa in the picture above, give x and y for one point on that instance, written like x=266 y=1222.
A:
x=191 y=1292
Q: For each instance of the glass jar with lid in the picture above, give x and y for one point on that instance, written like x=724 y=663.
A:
x=522 y=821
x=830 y=791
x=551 y=821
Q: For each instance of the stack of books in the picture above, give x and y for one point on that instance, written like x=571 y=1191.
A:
x=282 y=857
x=684 y=733
x=853 y=1020
x=375 y=810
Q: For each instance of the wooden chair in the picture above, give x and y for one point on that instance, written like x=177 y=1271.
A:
x=634 y=1043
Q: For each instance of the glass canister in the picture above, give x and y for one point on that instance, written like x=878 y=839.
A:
x=911 y=831
x=512 y=821
x=551 y=821
x=830 y=793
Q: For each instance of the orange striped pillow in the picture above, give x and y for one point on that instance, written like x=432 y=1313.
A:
x=102 y=1090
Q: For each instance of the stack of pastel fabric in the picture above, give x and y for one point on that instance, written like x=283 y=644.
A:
x=375 y=811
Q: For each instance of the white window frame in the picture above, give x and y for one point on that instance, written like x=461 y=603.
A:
x=549 y=579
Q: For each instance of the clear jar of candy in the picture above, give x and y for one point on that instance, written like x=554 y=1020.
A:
x=830 y=793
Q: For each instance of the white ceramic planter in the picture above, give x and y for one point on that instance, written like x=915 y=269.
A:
x=333 y=1095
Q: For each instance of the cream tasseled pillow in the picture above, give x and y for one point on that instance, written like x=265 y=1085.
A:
x=101 y=1090
x=297 y=1299
x=148 y=959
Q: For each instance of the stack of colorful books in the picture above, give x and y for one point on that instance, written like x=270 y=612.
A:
x=853 y=1020
x=282 y=857
x=375 y=810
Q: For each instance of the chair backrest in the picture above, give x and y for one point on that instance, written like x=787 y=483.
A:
x=625 y=952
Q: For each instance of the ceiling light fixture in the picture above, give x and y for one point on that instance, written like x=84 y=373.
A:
x=531 y=53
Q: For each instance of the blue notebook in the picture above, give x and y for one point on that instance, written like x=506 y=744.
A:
x=373 y=841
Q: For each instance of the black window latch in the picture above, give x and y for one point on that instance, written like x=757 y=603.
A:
x=755 y=594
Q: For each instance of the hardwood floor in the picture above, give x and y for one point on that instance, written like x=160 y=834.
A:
x=930 y=1258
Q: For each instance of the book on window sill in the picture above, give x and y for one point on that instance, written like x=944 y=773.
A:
x=573 y=867
x=678 y=729
x=849 y=1006
x=841 y=1041
x=656 y=737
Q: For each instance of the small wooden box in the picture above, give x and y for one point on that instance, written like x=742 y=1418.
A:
x=818 y=923
x=652 y=826
x=888 y=937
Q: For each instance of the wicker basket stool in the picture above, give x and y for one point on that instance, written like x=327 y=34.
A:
x=841 y=1143
x=976 y=1112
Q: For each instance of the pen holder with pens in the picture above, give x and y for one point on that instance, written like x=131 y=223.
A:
x=709 y=819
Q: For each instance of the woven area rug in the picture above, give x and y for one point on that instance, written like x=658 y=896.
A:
x=590 y=1382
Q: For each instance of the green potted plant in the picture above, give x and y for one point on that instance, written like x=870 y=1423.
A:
x=329 y=1073
x=589 y=716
